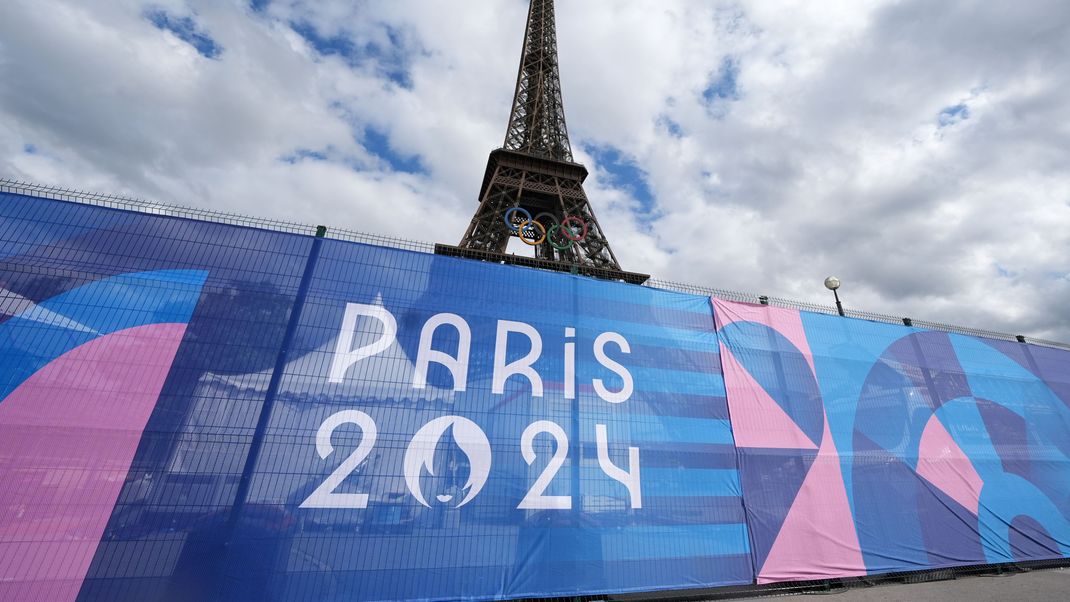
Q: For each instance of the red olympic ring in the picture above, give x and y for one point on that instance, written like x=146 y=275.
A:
x=568 y=231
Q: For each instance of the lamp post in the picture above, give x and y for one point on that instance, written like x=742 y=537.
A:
x=833 y=283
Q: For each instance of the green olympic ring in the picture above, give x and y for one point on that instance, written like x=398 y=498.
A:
x=550 y=238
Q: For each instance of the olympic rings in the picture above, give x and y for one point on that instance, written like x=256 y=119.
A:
x=569 y=234
x=531 y=225
x=553 y=243
x=527 y=228
x=509 y=218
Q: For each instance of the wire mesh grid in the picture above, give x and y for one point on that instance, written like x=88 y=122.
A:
x=172 y=210
x=152 y=207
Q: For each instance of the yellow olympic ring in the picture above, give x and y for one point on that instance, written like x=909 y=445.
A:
x=524 y=226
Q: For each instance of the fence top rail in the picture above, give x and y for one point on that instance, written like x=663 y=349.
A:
x=174 y=210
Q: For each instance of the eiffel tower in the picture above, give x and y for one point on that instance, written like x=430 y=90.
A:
x=532 y=188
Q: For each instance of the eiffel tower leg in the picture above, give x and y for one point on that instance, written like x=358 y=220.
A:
x=487 y=230
x=594 y=247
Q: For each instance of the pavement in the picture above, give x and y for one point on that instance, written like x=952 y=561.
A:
x=1037 y=585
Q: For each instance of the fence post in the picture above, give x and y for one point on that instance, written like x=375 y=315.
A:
x=241 y=497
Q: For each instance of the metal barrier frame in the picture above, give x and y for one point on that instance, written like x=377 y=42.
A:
x=167 y=209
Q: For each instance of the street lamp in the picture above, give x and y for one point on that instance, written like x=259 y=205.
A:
x=832 y=283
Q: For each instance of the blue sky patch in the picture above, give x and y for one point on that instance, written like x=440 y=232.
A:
x=953 y=115
x=391 y=60
x=187 y=30
x=29 y=149
x=258 y=6
x=723 y=85
x=624 y=173
x=1004 y=272
x=670 y=126
x=378 y=144
x=1056 y=275
x=304 y=154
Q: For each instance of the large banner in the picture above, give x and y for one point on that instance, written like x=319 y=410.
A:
x=236 y=414
x=117 y=439
x=203 y=411
x=451 y=429
x=868 y=448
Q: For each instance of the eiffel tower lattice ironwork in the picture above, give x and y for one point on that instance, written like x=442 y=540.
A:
x=534 y=176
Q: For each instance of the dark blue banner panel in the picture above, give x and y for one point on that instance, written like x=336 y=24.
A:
x=203 y=411
x=454 y=429
x=125 y=416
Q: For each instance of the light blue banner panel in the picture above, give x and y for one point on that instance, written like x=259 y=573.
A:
x=869 y=448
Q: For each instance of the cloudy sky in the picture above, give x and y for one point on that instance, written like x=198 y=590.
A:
x=919 y=150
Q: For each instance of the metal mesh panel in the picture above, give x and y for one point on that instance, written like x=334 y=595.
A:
x=152 y=207
x=234 y=322
x=157 y=208
x=853 y=313
x=382 y=241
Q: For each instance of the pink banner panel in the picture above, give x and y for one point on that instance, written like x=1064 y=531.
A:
x=67 y=437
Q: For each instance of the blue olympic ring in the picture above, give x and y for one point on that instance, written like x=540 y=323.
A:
x=509 y=218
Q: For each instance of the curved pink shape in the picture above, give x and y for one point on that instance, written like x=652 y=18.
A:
x=786 y=321
x=818 y=538
x=67 y=437
x=943 y=463
x=757 y=419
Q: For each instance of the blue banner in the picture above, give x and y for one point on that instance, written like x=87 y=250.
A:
x=454 y=429
x=125 y=417
x=342 y=421
x=202 y=411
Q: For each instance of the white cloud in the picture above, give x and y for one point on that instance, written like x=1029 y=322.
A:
x=835 y=152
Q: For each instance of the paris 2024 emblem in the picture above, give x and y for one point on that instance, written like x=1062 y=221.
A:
x=420 y=456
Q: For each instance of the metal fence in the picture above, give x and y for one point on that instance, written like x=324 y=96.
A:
x=157 y=208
